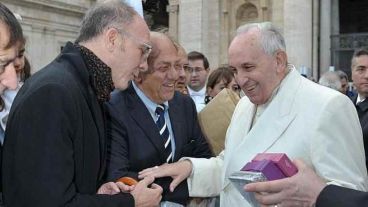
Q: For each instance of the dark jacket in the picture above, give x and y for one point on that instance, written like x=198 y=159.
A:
x=336 y=196
x=54 y=153
x=136 y=143
x=362 y=110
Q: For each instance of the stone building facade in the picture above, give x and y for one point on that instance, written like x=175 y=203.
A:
x=48 y=25
x=312 y=29
x=318 y=34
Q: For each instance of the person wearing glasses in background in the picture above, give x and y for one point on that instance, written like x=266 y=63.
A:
x=197 y=73
x=55 y=145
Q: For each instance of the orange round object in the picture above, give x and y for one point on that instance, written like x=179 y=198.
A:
x=127 y=181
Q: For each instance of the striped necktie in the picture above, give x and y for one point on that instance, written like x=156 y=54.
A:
x=164 y=132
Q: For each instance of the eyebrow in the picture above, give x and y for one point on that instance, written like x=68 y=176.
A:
x=165 y=63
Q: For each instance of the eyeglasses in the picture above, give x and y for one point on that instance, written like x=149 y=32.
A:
x=145 y=47
x=189 y=69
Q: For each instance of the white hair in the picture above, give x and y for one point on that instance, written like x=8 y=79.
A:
x=271 y=39
x=330 y=79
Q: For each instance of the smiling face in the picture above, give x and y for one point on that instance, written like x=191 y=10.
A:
x=159 y=83
x=256 y=72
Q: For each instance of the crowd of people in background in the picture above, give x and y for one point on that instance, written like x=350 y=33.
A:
x=122 y=102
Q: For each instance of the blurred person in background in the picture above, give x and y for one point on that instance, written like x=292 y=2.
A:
x=345 y=89
x=197 y=73
x=331 y=80
x=180 y=84
x=220 y=78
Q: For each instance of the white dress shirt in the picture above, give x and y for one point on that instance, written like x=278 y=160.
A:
x=198 y=98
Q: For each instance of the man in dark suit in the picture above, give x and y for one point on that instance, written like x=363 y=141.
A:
x=359 y=75
x=55 y=147
x=306 y=188
x=151 y=124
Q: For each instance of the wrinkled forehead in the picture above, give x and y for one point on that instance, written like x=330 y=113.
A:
x=139 y=29
x=244 y=47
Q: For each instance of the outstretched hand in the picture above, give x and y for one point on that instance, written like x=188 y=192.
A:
x=179 y=171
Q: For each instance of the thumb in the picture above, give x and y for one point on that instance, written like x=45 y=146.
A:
x=156 y=187
x=147 y=181
x=299 y=164
x=176 y=181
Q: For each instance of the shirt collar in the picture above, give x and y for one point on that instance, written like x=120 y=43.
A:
x=360 y=99
x=201 y=92
x=151 y=106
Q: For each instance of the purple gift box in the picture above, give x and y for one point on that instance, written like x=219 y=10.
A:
x=281 y=160
x=266 y=167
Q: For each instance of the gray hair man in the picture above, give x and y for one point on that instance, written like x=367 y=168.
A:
x=282 y=112
x=55 y=145
x=331 y=80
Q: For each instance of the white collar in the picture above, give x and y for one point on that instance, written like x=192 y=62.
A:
x=201 y=92
x=360 y=99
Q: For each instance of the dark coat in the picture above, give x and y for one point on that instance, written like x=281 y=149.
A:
x=362 y=110
x=136 y=143
x=54 y=153
x=336 y=196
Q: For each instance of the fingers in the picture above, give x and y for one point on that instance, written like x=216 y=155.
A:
x=124 y=188
x=156 y=171
x=267 y=186
x=158 y=190
x=146 y=181
x=153 y=172
x=176 y=181
x=299 y=164
x=108 y=188
x=156 y=187
x=269 y=198
x=146 y=171
x=114 y=187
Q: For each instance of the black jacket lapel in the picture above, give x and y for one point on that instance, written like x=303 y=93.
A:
x=80 y=70
x=178 y=125
x=140 y=114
